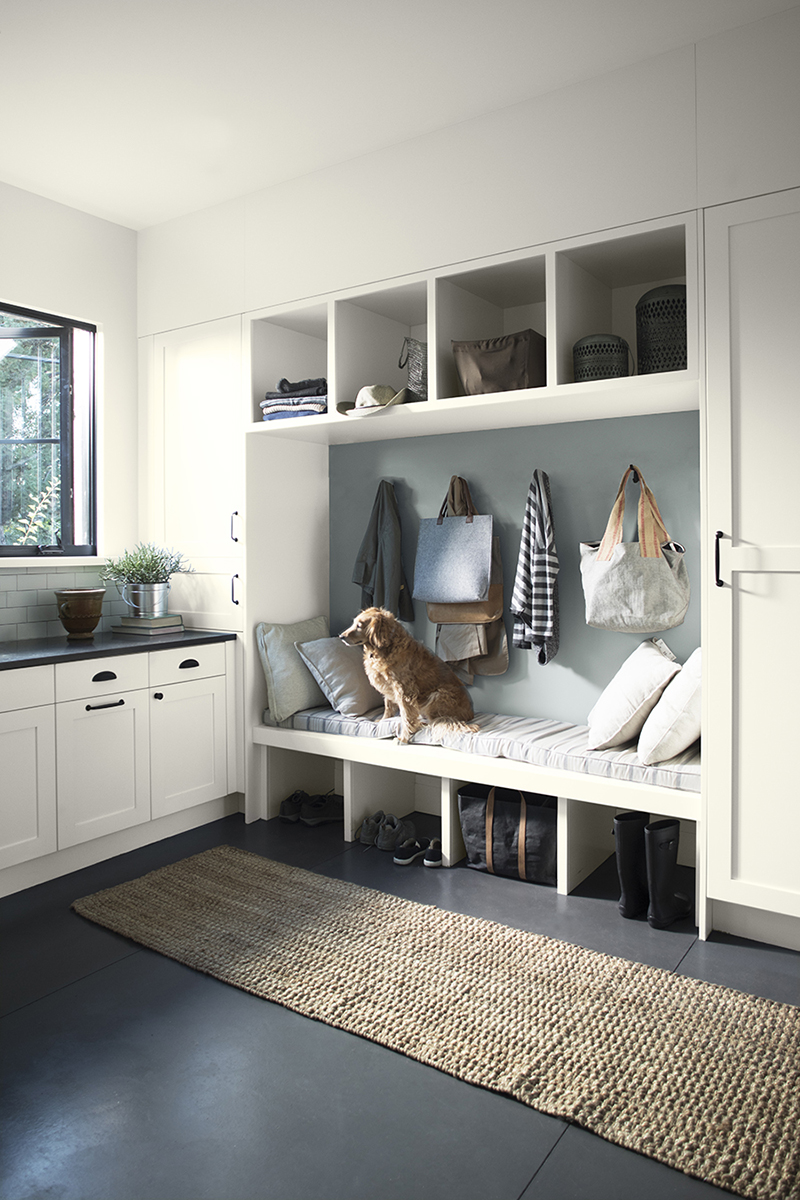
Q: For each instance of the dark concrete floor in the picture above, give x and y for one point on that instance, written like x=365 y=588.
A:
x=127 y=1076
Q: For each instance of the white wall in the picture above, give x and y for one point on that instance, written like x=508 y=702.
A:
x=65 y=262
x=697 y=126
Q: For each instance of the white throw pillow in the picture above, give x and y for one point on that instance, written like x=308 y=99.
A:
x=674 y=723
x=290 y=684
x=339 y=671
x=633 y=693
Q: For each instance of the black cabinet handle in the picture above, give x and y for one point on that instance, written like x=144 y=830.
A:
x=234 y=514
x=717 y=538
x=188 y=662
x=112 y=704
x=233 y=587
x=158 y=695
x=103 y=676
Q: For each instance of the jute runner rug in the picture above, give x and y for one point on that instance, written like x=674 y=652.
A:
x=697 y=1076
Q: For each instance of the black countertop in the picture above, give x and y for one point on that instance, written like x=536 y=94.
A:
x=36 y=652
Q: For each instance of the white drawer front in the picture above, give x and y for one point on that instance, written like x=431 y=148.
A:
x=26 y=687
x=186 y=662
x=101 y=676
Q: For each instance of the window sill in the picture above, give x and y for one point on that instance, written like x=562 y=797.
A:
x=49 y=562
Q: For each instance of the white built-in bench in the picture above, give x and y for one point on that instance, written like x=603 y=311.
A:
x=548 y=757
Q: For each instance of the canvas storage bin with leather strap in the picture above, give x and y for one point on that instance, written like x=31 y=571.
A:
x=507 y=832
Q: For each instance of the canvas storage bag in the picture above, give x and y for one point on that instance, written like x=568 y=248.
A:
x=635 y=587
x=501 y=364
x=509 y=833
x=454 y=557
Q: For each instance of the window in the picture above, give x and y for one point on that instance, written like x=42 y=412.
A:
x=47 y=464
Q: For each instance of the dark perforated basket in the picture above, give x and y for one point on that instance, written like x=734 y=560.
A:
x=661 y=329
x=601 y=356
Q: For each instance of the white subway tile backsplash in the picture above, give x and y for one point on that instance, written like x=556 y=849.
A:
x=28 y=604
x=13 y=616
x=31 y=629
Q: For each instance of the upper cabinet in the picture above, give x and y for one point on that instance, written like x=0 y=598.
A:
x=564 y=291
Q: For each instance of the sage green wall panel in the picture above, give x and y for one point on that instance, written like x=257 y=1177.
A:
x=585 y=462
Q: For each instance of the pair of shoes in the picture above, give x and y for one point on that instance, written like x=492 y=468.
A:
x=318 y=809
x=413 y=848
x=369 y=828
x=292 y=805
x=393 y=831
x=647 y=855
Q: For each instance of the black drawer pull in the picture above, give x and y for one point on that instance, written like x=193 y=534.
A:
x=158 y=695
x=188 y=662
x=103 y=676
x=233 y=589
x=112 y=704
x=234 y=514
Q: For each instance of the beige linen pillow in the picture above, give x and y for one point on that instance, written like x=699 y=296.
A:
x=674 y=723
x=632 y=694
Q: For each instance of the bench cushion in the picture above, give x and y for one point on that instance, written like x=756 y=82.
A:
x=545 y=743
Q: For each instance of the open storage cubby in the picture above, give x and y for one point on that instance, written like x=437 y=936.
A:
x=288 y=344
x=486 y=302
x=599 y=283
x=368 y=333
x=565 y=291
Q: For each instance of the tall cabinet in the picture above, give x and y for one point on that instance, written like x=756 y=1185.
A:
x=751 y=647
x=194 y=456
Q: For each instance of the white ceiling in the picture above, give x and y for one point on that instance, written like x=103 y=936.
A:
x=142 y=110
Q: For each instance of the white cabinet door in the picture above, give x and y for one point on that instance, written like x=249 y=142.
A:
x=751 y=647
x=27 y=784
x=188 y=744
x=103 y=765
x=197 y=386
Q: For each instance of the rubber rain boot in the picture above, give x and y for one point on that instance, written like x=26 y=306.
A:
x=631 y=863
x=661 y=846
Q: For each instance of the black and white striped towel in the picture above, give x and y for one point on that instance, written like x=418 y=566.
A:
x=534 y=601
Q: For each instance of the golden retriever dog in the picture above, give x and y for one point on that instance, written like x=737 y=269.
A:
x=412 y=680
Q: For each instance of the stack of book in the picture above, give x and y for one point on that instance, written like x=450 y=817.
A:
x=149 y=626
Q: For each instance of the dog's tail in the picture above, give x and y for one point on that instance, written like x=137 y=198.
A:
x=449 y=726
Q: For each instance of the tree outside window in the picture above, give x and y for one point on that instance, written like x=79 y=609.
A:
x=46 y=434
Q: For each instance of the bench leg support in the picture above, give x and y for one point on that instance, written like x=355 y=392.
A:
x=585 y=840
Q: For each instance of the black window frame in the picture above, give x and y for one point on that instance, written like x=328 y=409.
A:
x=60 y=328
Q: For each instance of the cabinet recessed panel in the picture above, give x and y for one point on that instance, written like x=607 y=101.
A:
x=27 y=785
x=766 y=814
x=188 y=746
x=103 y=758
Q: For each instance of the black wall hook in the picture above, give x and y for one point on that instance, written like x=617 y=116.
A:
x=635 y=473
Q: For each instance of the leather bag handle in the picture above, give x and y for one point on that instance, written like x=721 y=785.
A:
x=652 y=533
x=521 y=835
x=458 y=497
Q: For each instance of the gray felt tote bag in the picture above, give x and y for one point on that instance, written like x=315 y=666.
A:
x=454 y=557
x=635 y=587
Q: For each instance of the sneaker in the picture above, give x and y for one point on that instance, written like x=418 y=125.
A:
x=290 y=807
x=322 y=808
x=433 y=854
x=369 y=828
x=409 y=850
x=393 y=830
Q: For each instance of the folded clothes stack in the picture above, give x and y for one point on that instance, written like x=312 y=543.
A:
x=305 y=398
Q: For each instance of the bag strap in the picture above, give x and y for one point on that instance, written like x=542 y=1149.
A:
x=652 y=534
x=490 y=831
x=521 y=837
x=458 y=501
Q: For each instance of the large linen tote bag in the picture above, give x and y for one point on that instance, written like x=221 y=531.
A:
x=454 y=556
x=635 y=587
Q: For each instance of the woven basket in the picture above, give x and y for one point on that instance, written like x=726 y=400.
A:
x=601 y=356
x=414 y=355
x=661 y=329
